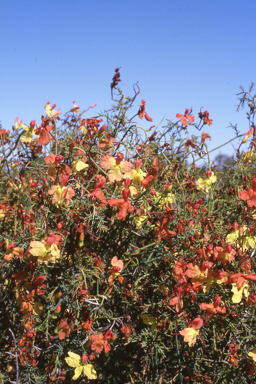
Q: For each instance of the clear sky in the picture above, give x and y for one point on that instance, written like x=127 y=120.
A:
x=183 y=53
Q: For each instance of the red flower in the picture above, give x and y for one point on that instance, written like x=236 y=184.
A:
x=100 y=342
x=151 y=174
x=44 y=132
x=205 y=136
x=213 y=308
x=185 y=118
x=127 y=329
x=205 y=117
x=97 y=192
x=249 y=195
x=117 y=266
x=124 y=204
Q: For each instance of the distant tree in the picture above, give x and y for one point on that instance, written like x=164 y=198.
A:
x=222 y=160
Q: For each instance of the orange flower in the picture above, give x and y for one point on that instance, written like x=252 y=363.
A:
x=232 y=358
x=12 y=251
x=97 y=192
x=249 y=195
x=124 y=204
x=115 y=166
x=127 y=329
x=190 y=334
x=205 y=136
x=205 y=117
x=107 y=142
x=178 y=302
x=150 y=175
x=115 y=271
x=44 y=132
x=213 y=308
x=61 y=193
x=100 y=342
x=185 y=118
x=224 y=255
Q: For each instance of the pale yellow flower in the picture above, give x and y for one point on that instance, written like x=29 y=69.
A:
x=136 y=175
x=206 y=183
x=165 y=197
x=242 y=238
x=138 y=220
x=253 y=354
x=238 y=295
x=46 y=254
x=75 y=361
x=149 y=320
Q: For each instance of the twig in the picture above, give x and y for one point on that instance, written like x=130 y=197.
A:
x=16 y=357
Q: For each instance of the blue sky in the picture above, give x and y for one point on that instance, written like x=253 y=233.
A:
x=183 y=53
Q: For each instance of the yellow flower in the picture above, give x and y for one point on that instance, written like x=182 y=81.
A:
x=249 y=156
x=61 y=193
x=115 y=166
x=79 y=165
x=190 y=335
x=136 y=175
x=28 y=134
x=165 y=197
x=253 y=354
x=44 y=253
x=149 y=320
x=241 y=238
x=75 y=361
x=206 y=183
x=237 y=296
x=138 y=220
x=50 y=112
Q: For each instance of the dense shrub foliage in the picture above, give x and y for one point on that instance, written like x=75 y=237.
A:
x=121 y=260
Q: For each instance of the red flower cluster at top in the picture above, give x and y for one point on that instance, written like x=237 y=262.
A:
x=115 y=80
x=142 y=112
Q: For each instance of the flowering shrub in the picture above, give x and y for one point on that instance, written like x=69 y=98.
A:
x=121 y=261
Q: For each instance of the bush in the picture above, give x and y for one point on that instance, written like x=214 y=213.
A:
x=121 y=261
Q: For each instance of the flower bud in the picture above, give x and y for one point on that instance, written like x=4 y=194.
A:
x=120 y=157
x=254 y=185
x=57 y=309
x=84 y=358
x=168 y=188
x=32 y=124
x=138 y=164
x=81 y=240
x=60 y=225
x=228 y=248
x=126 y=193
x=235 y=227
x=56 y=297
x=217 y=301
x=58 y=159
x=127 y=182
